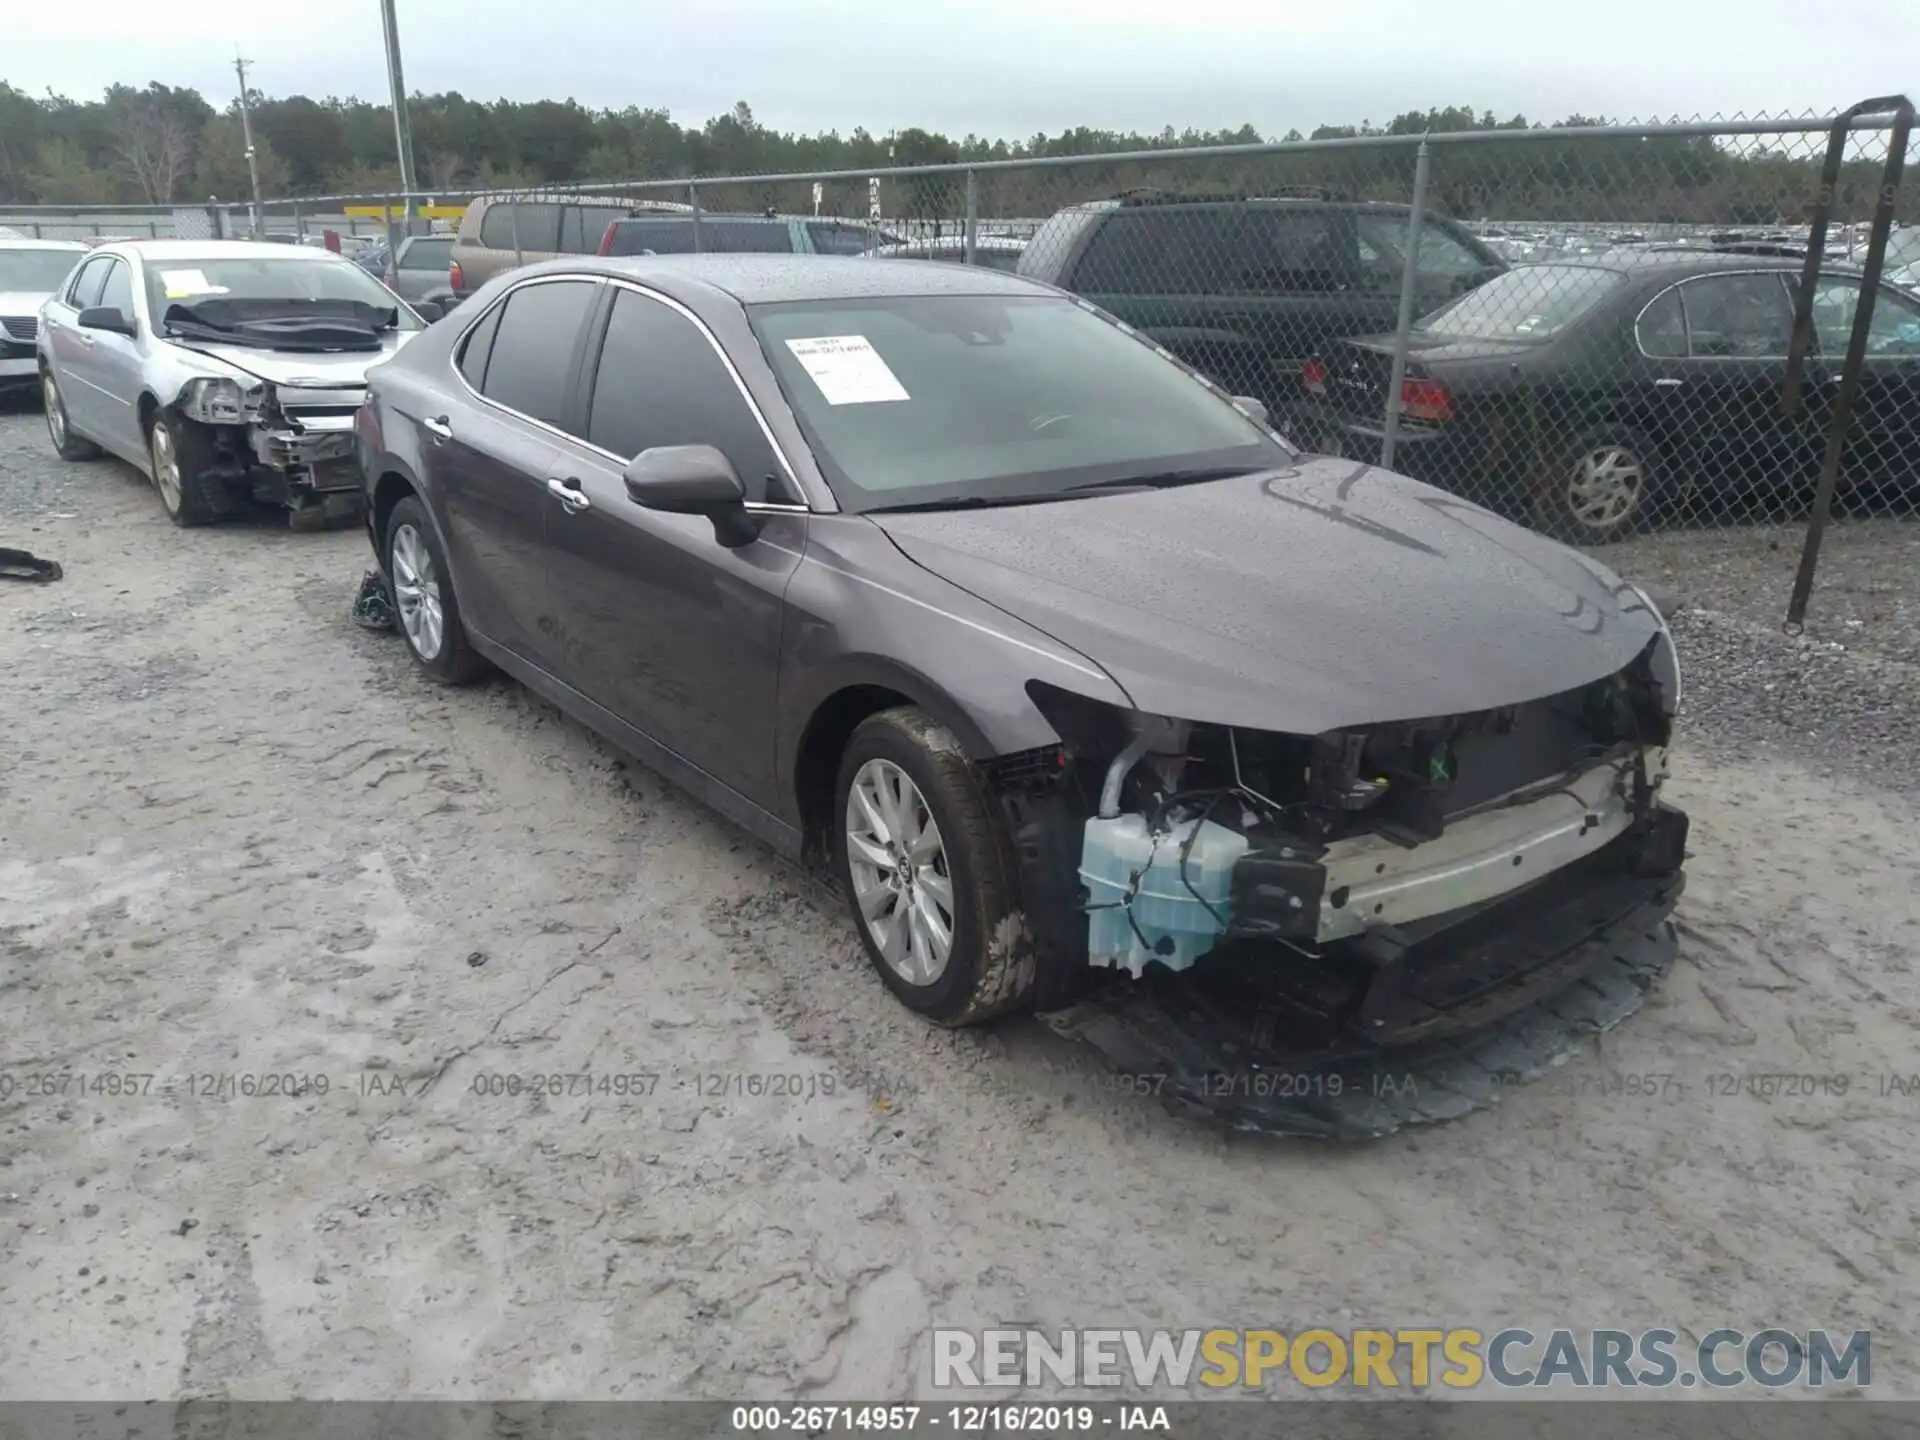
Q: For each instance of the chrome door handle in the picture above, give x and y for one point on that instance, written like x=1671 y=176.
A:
x=569 y=494
x=1668 y=380
x=437 y=426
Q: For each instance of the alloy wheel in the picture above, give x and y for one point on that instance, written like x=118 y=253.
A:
x=898 y=866
x=416 y=592
x=166 y=466
x=56 y=417
x=1606 y=487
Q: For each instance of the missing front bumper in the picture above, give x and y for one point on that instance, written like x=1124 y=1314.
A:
x=1360 y=1046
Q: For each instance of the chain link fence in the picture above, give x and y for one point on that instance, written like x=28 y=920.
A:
x=1586 y=329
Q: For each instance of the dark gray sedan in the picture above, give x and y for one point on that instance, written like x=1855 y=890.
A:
x=1071 y=671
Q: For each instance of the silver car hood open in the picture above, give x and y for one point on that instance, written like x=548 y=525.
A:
x=1298 y=600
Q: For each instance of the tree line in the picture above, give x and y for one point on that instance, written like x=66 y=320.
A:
x=163 y=145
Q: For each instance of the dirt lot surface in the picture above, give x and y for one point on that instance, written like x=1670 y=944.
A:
x=240 y=840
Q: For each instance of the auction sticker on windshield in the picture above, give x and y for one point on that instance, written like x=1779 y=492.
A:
x=848 y=370
x=185 y=284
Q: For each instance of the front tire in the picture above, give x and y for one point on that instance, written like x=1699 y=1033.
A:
x=1602 y=488
x=928 y=872
x=66 y=444
x=425 y=610
x=180 y=456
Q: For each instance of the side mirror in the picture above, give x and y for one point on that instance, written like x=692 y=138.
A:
x=429 y=310
x=106 y=317
x=1253 y=409
x=693 y=480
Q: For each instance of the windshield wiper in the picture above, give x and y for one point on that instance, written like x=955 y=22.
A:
x=1166 y=479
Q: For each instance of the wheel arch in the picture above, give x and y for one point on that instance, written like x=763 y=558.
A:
x=858 y=691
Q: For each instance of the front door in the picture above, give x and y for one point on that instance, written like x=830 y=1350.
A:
x=490 y=458
x=114 y=368
x=675 y=634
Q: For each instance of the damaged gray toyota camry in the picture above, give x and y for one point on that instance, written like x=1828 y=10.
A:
x=1095 y=696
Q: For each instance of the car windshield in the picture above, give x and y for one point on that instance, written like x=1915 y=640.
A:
x=293 y=278
x=36 y=272
x=1532 y=302
x=955 y=399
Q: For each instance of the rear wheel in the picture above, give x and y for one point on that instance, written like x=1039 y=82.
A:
x=1601 y=489
x=423 y=599
x=66 y=444
x=929 y=873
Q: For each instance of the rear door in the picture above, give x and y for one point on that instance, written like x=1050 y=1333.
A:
x=1737 y=436
x=490 y=457
x=675 y=634
x=422 y=266
x=72 y=348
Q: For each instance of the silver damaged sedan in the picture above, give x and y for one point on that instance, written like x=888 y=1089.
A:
x=225 y=370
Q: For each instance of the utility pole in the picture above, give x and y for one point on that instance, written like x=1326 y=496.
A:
x=402 y=130
x=246 y=130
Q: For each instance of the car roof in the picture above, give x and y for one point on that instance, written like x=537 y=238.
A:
x=768 y=279
x=1654 y=263
x=27 y=242
x=161 y=250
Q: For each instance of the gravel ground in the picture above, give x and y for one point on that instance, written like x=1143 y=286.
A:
x=242 y=838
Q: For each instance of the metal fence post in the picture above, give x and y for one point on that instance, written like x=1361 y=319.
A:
x=693 y=199
x=1409 y=280
x=1862 y=321
x=973 y=214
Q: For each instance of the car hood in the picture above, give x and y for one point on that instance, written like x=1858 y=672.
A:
x=22 y=303
x=1301 y=600
x=301 y=369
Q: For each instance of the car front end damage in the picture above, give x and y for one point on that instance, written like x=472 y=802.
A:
x=1344 y=933
x=286 y=443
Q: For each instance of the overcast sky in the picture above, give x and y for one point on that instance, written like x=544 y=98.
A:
x=1008 y=68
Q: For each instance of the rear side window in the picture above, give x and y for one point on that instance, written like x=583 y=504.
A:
x=473 y=355
x=538 y=226
x=1186 y=251
x=1216 y=250
x=717 y=237
x=427 y=254
x=533 y=348
x=1662 y=328
x=660 y=382
x=837 y=239
x=1738 y=316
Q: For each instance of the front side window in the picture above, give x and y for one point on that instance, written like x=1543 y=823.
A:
x=1533 y=302
x=35 y=272
x=717 y=236
x=1383 y=252
x=84 y=293
x=932 y=399
x=533 y=347
x=659 y=381
x=117 y=292
x=293 y=278
x=1746 y=316
x=1892 y=329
